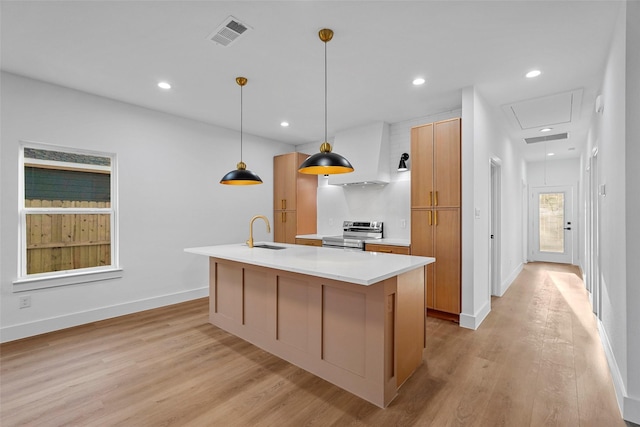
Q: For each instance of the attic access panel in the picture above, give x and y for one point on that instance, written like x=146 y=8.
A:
x=552 y=110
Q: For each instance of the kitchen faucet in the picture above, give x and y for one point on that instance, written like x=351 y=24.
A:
x=250 y=241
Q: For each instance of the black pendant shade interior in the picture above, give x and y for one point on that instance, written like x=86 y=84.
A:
x=241 y=175
x=325 y=162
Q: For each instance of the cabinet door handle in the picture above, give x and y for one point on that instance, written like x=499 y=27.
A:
x=430 y=218
x=435 y=202
x=283 y=216
x=283 y=204
x=430 y=198
x=435 y=217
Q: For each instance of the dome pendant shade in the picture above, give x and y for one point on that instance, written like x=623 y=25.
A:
x=325 y=163
x=241 y=176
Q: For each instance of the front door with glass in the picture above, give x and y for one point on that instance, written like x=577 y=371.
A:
x=552 y=226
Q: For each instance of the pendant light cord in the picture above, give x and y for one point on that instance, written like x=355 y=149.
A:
x=325 y=92
x=240 y=123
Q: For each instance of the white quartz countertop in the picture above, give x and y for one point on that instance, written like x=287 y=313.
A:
x=359 y=267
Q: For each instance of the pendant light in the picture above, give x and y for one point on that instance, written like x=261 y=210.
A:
x=241 y=176
x=325 y=162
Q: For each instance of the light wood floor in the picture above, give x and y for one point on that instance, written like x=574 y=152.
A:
x=536 y=360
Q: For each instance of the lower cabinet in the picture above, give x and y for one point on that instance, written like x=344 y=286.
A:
x=309 y=242
x=436 y=233
x=389 y=249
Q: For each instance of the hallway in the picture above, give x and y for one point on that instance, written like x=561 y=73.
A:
x=536 y=360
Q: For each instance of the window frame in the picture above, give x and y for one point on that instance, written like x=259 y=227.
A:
x=24 y=281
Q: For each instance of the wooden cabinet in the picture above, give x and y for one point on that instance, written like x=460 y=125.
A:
x=389 y=249
x=435 y=210
x=294 y=198
x=435 y=170
x=309 y=242
x=436 y=233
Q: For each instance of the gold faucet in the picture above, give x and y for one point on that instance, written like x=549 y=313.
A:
x=250 y=241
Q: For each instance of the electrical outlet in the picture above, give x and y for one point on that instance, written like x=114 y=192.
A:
x=25 y=301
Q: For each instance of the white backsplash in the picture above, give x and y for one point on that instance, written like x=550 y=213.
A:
x=388 y=203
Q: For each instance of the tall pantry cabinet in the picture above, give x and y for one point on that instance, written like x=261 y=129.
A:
x=435 y=212
x=294 y=198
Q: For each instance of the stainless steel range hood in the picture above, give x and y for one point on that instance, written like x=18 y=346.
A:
x=367 y=148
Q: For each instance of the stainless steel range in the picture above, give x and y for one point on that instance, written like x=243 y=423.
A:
x=354 y=234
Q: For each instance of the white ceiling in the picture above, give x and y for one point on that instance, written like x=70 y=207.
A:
x=121 y=49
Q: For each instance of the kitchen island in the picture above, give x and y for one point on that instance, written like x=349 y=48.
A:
x=353 y=318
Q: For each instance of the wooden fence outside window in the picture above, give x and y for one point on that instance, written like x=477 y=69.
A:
x=59 y=241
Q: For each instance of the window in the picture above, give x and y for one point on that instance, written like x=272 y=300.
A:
x=68 y=217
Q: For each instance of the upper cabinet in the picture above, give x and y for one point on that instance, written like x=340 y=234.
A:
x=435 y=170
x=294 y=198
x=285 y=173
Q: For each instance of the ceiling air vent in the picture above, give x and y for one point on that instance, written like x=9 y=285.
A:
x=546 y=138
x=229 y=31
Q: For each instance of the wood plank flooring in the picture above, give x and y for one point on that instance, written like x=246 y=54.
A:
x=536 y=360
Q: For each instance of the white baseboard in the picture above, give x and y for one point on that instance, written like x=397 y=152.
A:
x=24 y=330
x=510 y=278
x=629 y=406
x=473 y=321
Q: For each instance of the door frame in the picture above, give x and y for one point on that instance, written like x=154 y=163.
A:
x=593 y=240
x=567 y=257
x=495 y=208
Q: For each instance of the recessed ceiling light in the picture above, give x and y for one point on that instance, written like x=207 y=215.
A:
x=551 y=154
x=546 y=129
x=164 y=85
x=418 y=81
x=533 y=73
x=284 y=124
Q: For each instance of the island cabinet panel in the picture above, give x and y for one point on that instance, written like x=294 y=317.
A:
x=410 y=323
x=256 y=302
x=344 y=328
x=366 y=339
x=294 y=198
x=293 y=312
x=229 y=292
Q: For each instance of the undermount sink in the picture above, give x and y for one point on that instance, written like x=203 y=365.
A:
x=265 y=246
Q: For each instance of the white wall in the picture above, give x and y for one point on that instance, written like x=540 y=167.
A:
x=554 y=172
x=484 y=139
x=632 y=197
x=169 y=199
x=615 y=133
